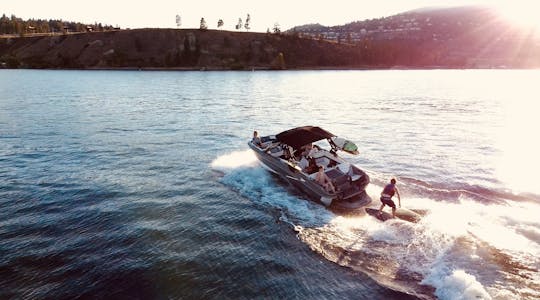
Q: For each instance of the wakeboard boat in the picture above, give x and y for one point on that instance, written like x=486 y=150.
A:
x=295 y=155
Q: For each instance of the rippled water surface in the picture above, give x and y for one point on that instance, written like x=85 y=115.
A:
x=117 y=184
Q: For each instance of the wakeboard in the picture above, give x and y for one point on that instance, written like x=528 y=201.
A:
x=401 y=213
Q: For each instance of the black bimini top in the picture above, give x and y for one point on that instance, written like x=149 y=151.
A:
x=300 y=136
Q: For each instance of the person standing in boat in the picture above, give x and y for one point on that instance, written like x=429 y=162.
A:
x=386 y=197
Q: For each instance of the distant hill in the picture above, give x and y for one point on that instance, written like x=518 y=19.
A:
x=309 y=27
x=462 y=37
x=469 y=36
x=420 y=23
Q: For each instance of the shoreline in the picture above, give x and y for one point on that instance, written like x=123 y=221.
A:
x=217 y=69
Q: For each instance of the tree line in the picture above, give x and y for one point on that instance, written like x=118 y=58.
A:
x=241 y=24
x=15 y=25
x=220 y=23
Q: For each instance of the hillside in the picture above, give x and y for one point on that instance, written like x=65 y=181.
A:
x=470 y=36
x=174 y=48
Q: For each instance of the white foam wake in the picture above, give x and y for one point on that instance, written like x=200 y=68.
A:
x=451 y=248
x=234 y=160
x=457 y=285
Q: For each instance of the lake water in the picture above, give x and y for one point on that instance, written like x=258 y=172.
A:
x=126 y=184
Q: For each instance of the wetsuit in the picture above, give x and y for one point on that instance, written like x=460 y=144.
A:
x=387 y=194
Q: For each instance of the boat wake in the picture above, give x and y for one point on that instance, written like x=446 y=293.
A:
x=465 y=247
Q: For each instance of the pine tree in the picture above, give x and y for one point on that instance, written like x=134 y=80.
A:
x=277 y=29
x=203 y=24
x=247 y=24
x=239 y=25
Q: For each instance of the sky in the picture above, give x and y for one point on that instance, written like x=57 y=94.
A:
x=264 y=14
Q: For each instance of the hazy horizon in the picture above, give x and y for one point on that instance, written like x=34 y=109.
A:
x=162 y=13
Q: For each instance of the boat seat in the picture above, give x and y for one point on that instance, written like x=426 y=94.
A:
x=269 y=138
x=346 y=168
x=276 y=151
x=322 y=161
x=317 y=154
x=341 y=180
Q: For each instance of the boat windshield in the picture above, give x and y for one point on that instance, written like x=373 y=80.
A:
x=323 y=144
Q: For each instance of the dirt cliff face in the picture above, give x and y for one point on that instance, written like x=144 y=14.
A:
x=176 y=49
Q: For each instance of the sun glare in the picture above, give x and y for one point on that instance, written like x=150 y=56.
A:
x=522 y=13
x=518 y=164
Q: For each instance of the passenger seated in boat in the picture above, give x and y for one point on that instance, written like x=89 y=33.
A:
x=332 y=163
x=323 y=179
x=286 y=153
x=313 y=151
x=312 y=167
x=306 y=150
x=308 y=165
x=256 y=139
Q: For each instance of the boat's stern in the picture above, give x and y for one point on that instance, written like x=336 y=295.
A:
x=352 y=205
